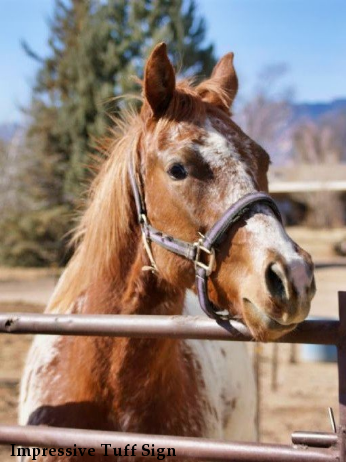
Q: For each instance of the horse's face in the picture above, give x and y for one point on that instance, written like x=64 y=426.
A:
x=197 y=163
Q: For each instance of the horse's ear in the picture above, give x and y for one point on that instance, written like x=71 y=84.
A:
x=224 y=79
x=159 y=80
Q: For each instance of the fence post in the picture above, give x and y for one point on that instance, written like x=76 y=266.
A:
x=342 y=376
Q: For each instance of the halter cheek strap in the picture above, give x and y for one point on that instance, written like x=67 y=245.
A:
x=204 y=245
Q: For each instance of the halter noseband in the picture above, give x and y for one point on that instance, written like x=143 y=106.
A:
x=204 y=245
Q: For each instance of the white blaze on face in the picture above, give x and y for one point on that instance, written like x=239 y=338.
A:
x=266 y=232
x=232 y=176
x=220 y=153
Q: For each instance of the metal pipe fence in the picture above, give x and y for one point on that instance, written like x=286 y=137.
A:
x=325 y=332
x=307 y=446
x=195 y=448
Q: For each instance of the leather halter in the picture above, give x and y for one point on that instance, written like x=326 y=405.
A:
x=204 y=245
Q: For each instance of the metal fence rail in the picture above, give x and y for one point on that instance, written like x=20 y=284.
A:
x=194 y=448
x=325 y=332
x=311 y=446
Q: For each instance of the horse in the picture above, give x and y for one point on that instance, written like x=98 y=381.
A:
x=190 y=163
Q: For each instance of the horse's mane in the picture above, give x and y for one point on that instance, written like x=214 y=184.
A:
x=107 y=226
x=104 y=224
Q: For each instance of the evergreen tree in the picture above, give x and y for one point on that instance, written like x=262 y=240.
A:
x=96 y=47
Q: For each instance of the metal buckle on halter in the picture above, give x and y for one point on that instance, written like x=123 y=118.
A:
x=209 y=268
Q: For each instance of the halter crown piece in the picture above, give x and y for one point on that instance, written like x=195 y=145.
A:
x=204 y=245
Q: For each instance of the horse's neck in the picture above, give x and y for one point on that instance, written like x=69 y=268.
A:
x=138 y=292
x=132 y=361
x=140 y=381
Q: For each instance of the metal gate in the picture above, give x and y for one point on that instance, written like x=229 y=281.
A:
x=307 y=446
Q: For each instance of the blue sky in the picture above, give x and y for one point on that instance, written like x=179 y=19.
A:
x=307 y=35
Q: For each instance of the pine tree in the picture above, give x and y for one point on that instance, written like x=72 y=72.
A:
x=96 y=47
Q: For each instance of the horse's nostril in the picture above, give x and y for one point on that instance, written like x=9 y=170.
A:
x=274 y=280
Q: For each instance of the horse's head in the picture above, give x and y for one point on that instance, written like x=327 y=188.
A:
x=195 y=163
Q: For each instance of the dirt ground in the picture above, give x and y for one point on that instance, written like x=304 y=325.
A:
x=304 y=391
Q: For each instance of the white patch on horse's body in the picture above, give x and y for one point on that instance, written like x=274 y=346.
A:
x=228 y=384
x=44 y=350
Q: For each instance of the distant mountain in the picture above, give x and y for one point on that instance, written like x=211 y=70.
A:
x=7 y=130
x=314 y=111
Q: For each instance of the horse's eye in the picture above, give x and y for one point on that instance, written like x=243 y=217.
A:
x=177 y=172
